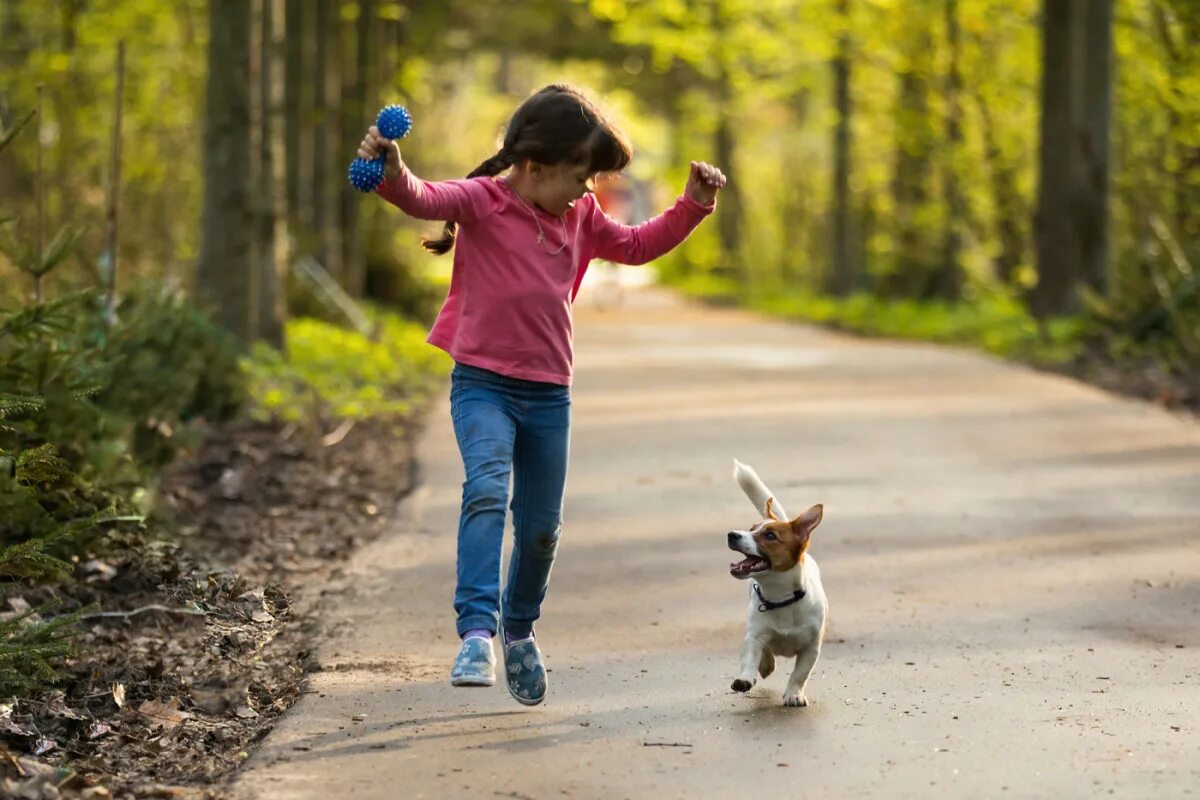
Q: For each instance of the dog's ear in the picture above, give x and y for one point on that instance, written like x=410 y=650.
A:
x=771 y=509
x=803 y=525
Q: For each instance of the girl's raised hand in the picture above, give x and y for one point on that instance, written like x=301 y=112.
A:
x=373 y=144
x=703 y=183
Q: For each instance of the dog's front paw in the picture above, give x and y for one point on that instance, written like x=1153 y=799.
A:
x=795 y=700
x=742 y=685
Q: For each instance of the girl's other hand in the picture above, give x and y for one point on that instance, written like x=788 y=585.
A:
x=703 y=183
x=373 y=144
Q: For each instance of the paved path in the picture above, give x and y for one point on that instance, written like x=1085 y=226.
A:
x=1012 y=562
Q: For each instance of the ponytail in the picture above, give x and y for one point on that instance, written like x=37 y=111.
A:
x=492 y=166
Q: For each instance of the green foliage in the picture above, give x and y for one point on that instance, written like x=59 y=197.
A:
x=28 y=649
x=334 y=372
x=176 y=364
x=10 y=134
x=1157 y=314
x=996 y=323
x=95 y=403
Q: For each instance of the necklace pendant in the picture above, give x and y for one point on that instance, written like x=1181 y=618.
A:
x=541 y=237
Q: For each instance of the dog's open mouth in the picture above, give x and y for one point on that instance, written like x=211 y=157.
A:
x=748 y=566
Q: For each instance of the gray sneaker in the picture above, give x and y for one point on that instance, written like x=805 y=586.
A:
x=524 y=672
x=475 y=664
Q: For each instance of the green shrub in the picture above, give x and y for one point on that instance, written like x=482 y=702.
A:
x=334 y=372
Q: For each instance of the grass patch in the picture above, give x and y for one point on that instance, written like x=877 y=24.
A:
x=995 y=323
x=329 y=371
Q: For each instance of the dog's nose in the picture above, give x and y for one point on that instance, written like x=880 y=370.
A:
x=732 y=537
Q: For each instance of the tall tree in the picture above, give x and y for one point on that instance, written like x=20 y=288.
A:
x=1093 y=139
x=222 y=273
x=1070 y=228
x=272 y=189
x=729 y=221
x=1009 y=205
x=912 y=179
x=948 y=282
x=327 y=181
x=1056 y=238
x=842 y=277
x=359 y=93
x=298 y=136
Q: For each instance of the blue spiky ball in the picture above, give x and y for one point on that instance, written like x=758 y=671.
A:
x=394 y=122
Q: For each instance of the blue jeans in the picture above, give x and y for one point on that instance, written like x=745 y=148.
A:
x=508 y=427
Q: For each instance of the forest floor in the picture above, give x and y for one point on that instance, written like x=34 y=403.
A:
x=206 y=640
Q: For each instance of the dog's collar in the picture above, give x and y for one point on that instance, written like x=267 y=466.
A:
x=768 y=605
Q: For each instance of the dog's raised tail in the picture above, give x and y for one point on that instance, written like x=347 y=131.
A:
x=757 y=491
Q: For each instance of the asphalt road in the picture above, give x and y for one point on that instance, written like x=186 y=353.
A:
x=1012 y=561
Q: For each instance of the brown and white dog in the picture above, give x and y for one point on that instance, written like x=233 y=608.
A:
x=787 y=602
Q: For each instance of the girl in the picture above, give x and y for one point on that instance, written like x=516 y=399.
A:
x=525 y=242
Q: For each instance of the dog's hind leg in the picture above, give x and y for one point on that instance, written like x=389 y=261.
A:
x=793 y=695
x=753 y=651
x=766 y=664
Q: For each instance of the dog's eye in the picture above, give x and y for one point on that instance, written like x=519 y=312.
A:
x=770 y=537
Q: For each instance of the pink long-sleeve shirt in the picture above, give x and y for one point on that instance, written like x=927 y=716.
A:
x=509 y=305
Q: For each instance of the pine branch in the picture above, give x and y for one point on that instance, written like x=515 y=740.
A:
x=11 y=133
x=14 y=404
x=41 y=465
x=27 y=650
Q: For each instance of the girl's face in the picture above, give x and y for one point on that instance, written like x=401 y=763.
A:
x=557 y=187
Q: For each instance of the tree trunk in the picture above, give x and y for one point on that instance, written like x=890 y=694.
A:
x=948 y=282
x=257 y=245
x=1093 y=141
x=272 y=191
x=841 y=279
x=360 y=92
x=297 y=116
x=729 y=218
x=916 y=257
x=1011 y=210
x=327 y=180
x=1056 y=236
x=226 y=229
x=795 y=208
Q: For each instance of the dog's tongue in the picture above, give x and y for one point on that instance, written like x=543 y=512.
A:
x=747 y=564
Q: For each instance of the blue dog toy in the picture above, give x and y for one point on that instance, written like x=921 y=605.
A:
x=394 y=122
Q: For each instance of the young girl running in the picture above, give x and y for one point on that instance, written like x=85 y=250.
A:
x=524 y=241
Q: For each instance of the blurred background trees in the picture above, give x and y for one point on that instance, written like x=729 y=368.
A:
x=1042 y=154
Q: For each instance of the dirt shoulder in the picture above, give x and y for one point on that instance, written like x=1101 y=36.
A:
x=192 y=649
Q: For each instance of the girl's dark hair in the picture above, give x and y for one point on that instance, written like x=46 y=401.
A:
x=555 y=125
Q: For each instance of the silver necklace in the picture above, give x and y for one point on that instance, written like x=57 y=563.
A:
x=541 y=237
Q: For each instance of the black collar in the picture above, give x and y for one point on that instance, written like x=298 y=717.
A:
x=767 y=605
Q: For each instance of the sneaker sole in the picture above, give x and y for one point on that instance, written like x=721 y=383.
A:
x=472 y=681
x=522 y=700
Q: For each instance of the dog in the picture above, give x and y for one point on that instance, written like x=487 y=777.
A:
x=788 y=608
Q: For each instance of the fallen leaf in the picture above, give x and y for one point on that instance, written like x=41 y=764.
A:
x=98 y=571
x=118 y=693
x=43 y=746
x=246 y=712
x=11 y=726
x=166 y=714
x=56 y=704
x=98 y=729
